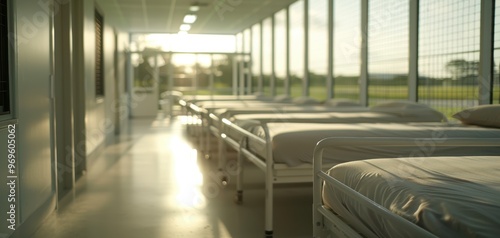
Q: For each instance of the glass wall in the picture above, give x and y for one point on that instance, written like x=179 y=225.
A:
x=296 y=48
x=267 y=55
x=388 y=45
x=183 y=43
x=449 y=54
x=223 y=73
x=496 y=55
x=318 y=45
x=280 y=51
x=346 y=49
x=256 y=57
x=246 y=61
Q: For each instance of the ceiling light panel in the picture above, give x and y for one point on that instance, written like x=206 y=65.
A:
x=190 y=18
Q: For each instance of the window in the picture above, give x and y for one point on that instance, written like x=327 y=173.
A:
x=448 y=52
x=318 y=43
x=346 y=49
x=267 y=41
x=496 y=55
x=280 y=51
x=256 y=58
x=296 y=56
x=388 y=56
x=4 y=61
x=99 y=64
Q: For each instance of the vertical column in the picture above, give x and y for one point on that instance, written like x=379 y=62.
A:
x=287 y=59
x=241 y=64
x=273 y=55
x=486 y=51
x=413 y=53
x=363 y=81
x=63 y=104
x=171 y=73
x=250 y=63
x=235 y=74
x=235 y=68
x=78 y=36
x=305 y=85
x=211 y=79
x=261 y=73
x=329 y=77
x=195 y=76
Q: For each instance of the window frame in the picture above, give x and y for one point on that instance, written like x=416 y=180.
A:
x=100 y=87
x=7 y=118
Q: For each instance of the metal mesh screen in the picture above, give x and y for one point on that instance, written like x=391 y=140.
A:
x=346 y=49
x=388 y=36
x=318 y=43
x=496 y=55
x=449 y=54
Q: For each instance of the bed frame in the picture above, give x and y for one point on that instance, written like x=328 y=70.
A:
x=326 y=222
x=275 y=173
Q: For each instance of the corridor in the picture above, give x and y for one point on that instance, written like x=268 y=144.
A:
x=154 y=186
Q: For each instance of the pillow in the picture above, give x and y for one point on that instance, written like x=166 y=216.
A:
x=484 y=115
x=418 y=112
x=335 y=102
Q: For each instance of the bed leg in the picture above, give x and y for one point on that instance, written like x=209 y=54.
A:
x=239 y=179
x=269 y=234
x=222 y=153
x=269 y=204
x=207 y=143
x=238 y=199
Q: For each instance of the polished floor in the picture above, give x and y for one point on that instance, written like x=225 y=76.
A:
x=154 y=186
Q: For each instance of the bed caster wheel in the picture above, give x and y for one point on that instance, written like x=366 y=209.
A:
x=238 y=198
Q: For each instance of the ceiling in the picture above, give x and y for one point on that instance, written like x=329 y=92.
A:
x=165 y=16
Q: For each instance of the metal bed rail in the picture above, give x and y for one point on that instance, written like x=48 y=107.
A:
x=324 y=218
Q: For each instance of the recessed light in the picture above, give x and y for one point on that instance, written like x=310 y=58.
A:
x=194 y=8
x=185 y=27
x=190 y=18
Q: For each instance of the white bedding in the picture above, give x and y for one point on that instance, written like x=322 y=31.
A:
x=293 y=143
x=285 y=109
x=448 y=196
x=332 y=117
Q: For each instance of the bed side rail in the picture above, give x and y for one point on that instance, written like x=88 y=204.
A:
x=320 y=176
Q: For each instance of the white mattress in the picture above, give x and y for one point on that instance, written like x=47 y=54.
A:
x=448 y=196
x=293 y=143
x=247 y=121
x=284 y=109
x=332 y=117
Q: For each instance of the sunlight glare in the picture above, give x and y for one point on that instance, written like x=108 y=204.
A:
x=188 y=176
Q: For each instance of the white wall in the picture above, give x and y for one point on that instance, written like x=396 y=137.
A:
x=122 y=45
x=99 y=114
x=33 y=107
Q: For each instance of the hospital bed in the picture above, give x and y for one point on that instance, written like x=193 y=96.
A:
x=284 y=150
x=208 y=116
x=445 y=196
x=232 y=127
